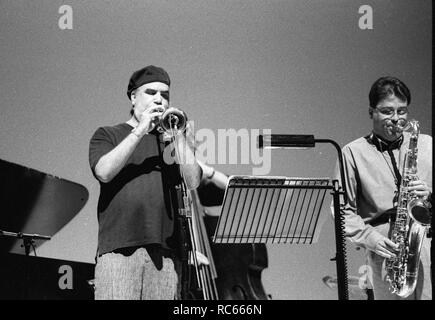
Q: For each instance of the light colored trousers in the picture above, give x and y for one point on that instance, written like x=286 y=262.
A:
x=143 y=274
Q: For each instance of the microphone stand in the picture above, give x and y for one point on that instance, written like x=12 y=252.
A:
x=183 y=215
x=183 y=237
x=28 y=241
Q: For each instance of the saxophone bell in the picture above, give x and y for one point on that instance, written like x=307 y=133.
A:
x=420 y=211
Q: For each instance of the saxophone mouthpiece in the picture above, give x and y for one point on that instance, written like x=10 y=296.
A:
x=402 y=124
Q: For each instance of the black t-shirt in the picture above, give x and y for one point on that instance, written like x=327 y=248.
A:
x=137 y=206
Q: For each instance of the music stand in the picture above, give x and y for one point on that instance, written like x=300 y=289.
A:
x=285 y=214
x=271 y=210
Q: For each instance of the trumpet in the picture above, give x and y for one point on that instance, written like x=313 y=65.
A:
x=173 y=121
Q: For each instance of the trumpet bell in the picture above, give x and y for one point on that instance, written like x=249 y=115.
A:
x=173 y=120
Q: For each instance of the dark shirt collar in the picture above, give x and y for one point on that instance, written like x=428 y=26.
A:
x=384 y=145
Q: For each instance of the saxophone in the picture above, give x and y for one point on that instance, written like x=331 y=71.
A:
x=412 y=220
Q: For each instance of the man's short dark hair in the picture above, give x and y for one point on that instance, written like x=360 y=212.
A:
x=388 y=86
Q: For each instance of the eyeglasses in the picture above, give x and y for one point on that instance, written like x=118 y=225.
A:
x=391 y=111
x=152 y=92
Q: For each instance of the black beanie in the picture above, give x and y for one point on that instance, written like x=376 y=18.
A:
x=147 y=75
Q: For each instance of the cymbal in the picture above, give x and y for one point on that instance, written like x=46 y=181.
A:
x=36 y=203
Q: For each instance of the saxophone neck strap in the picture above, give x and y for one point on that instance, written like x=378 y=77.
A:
x=396 y=170
x=383 y=145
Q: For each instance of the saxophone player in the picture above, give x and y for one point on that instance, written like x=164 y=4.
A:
x=373 y=166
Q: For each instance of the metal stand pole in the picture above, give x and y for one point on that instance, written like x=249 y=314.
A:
x=340 y=257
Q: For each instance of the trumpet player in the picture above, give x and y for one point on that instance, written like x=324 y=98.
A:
x=137 y=243
x=373 y=173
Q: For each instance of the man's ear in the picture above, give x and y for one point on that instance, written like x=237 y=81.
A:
x=133 y=97
x=371 y=112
